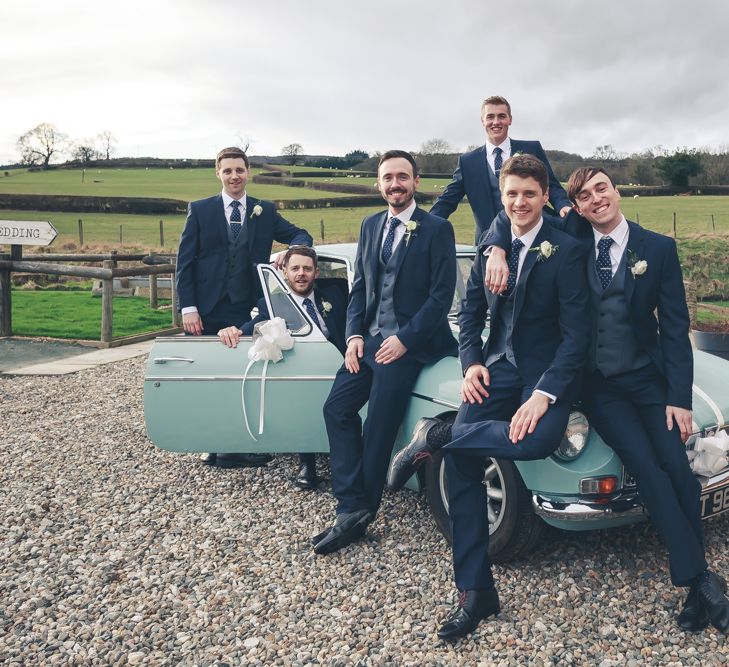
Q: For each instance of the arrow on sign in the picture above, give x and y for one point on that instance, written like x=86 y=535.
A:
x=27 y=232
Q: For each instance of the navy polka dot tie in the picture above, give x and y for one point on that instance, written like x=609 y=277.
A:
x=498 y=160
x=235 y=220
x=312 y=311
x=512 y=262
x=389 y=240
x=604 y=265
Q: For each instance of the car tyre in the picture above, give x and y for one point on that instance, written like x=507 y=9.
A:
x=514 y=527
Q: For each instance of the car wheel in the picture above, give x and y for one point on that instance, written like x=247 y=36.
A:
x=514 y=529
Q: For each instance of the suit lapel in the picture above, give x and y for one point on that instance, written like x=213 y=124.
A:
x=635 y=248
x=483 y=172
x=374 y=258
x=405 y=244
x=529 y=261
x=220 y=221
x=251 y=226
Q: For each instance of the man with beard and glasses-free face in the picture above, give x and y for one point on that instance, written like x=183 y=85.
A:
x=638 y=385
x=518 y=388
x=397 y=321
x=477 y=174
x=326 y=304
x=223 y=239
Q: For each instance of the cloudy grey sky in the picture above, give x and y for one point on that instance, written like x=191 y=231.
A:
x=182 y=78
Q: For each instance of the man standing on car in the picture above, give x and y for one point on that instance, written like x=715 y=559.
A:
x=477 y=174
x=223 y=239
x=638 y=388
x=518 y=388
x=397 y=321
x=325 y=302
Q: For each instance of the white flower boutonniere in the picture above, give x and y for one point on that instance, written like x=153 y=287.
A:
x=411 y=227
x=517 y=153
x=257 y=210
x=637 y=266
x=326 y=307
x=545 y=250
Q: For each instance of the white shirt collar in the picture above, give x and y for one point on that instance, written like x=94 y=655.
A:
x=505 y=146
x=227 y=199
x=618 y=235
x=300 y=299
x=528 y=238
x=404 y=216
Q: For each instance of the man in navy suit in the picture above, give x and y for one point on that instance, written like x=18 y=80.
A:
x=223 y=239
x=477 y=174
x=397 y=321
x=518 y=388
x=324 y=301
x=638 y=385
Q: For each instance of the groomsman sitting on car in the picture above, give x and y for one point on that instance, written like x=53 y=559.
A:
x=223 y=239
x=638 y=388
x=518 y=387
x=326 y=304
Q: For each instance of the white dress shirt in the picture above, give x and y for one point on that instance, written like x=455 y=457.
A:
x=404 y=218
x=505 y=147
x=321 y=320
x=619 y=235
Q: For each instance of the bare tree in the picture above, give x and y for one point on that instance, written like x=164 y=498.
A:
x=292 y=152
x=244 y=141
x=84 y=151
x=39 y=145
x=436 y=154
x=606 y=153
x=107 y=141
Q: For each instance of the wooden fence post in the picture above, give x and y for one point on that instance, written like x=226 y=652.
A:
x=153 y=290
x=637 y=218
x=120 y=234
x=176 y=317
x=107 y=305
x=6 y=320
x=161 y=234
x=713 y=224
x=322 y=229
x=80 y=232
x=675 y=236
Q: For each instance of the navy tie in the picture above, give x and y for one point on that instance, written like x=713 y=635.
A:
x=512 y=262
x=235 y=221
x=312 y=311
x=389 y=240
x=604 y=265
x=498 y=161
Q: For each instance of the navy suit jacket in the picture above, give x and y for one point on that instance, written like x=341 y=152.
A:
x=335 y=319
x=659 y=290
x=551 y=315
x=424 y=285
x=202 y=257
x=471 y=179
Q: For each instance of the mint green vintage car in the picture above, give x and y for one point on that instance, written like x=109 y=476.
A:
x=233 y=405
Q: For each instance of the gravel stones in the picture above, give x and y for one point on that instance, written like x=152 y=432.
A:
x=116 y=553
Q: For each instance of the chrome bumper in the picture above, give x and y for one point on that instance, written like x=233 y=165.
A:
x=622 y=506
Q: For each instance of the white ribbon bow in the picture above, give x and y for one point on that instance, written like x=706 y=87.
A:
x=709 y=455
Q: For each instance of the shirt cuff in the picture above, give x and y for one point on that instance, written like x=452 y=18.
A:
x=189 y=309
x=353 y=337
x=552 y=399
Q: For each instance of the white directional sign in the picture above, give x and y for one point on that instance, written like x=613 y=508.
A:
x=26 y=232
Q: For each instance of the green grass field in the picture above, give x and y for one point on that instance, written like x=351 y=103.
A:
x=185 y=184
x=76 y=314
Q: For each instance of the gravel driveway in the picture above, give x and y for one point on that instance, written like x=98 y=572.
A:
x=114 y=552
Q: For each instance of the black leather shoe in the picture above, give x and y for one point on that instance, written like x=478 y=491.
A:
x=346 y=529
x=209 y=459
x=712 y=598
x=306 y=478
x=694 y=617
x=412 y=456
x=473 y=607
x=242 y=460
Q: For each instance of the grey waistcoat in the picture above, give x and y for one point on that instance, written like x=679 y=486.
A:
x=385 y=322
x=614 y=348
x=499 y=341
x=239 y=287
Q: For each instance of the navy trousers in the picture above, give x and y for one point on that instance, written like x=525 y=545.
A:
x=629 y=413
x=359 y=456
x=226 y=314
x=481 y=430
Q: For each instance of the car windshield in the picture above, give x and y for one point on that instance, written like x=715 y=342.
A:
x=464 y=270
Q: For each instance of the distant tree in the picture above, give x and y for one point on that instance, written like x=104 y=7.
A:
x=437 y=155
x=107 y=141
x=84 y=151
x=244 y=141
x=677 y=168
x=643 y=172
x=354 y=157
x=39 y=145
x=292 y=152
x=606 y=153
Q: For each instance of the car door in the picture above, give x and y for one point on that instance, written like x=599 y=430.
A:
x=200 y=395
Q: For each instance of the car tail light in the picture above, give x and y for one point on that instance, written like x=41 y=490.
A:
x=598 y=486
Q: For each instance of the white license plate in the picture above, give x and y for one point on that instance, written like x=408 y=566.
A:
x=715 y=501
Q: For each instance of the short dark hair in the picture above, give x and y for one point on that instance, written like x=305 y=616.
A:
x=579 y=177
x=525 y=166
x=389 y=155
x=232 y=152
x=304 y=250
x=496 y=99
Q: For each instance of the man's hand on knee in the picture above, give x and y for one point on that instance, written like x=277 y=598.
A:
x=497 y=270
x=474 y=384
x=525 y=419
x=355 y=351
x=683 y=419
x=390 y=350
